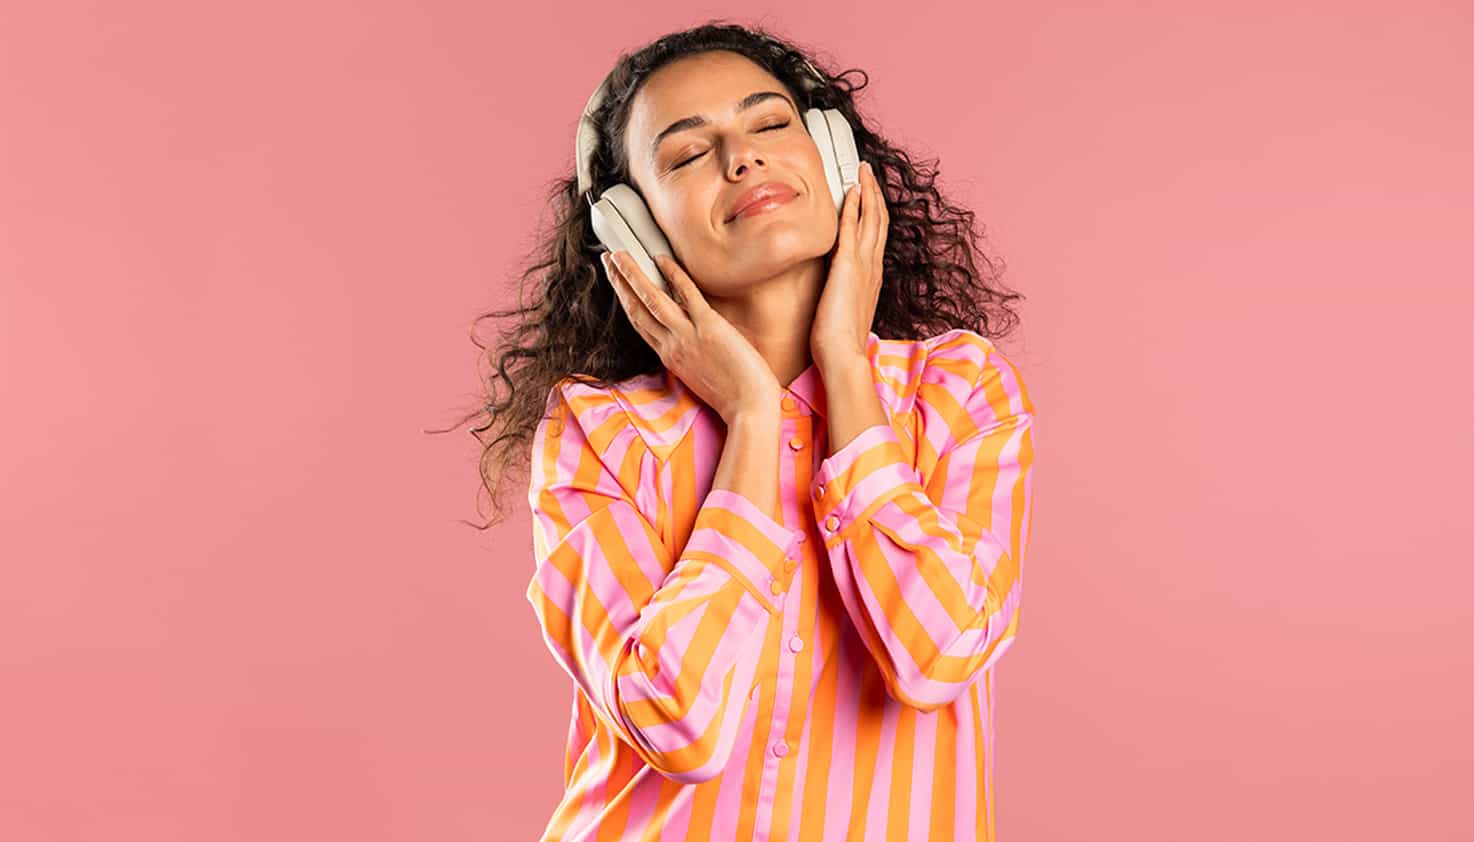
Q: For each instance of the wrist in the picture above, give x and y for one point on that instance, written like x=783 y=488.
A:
x=837 y=367
x=756 y=418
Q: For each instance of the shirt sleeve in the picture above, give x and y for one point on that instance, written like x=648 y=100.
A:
x=931 y=574
x=666 y=647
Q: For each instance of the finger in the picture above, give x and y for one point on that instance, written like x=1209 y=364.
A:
x=690 y=295
x=848 y=213
x=660 y=306
x=634 y=309
x=884 y=211
x=883 y=227
x=878 y=261
x=648 y=326
x=880 y=201
x=876 y=219
x=616 y=277
x=616 y=281
x=868 y=216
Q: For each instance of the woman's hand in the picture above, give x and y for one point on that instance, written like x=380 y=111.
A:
x=695 y=342
x=847 y=304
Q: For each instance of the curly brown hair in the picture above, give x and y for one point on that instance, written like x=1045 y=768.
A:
x=574 y=327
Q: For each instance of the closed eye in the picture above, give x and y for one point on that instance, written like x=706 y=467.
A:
x=703 y=152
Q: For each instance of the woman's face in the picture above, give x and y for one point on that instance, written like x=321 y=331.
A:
x=691 y=178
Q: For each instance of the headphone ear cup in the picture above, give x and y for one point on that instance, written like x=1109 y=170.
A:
x=846 y=156
x=622 y=222
x=819 y=132
x=831 y=132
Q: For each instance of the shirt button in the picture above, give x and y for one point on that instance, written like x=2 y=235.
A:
x=818 y=492
x=789 y=404
x=796 y=443
x=831 y=523
x=795 y=643
x=802 y=537
x=780 y=749
x=775 y=586
x=790 y=565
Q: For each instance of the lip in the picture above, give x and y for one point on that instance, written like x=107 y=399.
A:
x=770 y=191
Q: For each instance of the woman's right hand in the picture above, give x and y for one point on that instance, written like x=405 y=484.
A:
x=696 y=343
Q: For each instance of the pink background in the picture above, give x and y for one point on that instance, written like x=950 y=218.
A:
x=241 y=247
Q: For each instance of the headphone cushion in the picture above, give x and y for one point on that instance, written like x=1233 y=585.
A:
x=622 y=222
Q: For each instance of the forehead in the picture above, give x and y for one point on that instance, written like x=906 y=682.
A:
x=707 y=84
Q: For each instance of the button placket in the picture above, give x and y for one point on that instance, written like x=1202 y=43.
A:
x=784 y=581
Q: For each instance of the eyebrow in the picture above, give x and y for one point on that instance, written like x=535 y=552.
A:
x=743 y=104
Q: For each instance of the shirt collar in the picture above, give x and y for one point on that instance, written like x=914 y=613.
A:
x=666 y=408
x=808 y=391
x=808 y=386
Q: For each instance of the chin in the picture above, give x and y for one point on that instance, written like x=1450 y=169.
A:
x=789 y=239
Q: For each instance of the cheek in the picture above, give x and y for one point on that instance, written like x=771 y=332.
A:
x=816 y=182
x=696 y=206
x=672 y=210
x=813 y=164
x=826 y=220
x=694 y=212
x=687 y=221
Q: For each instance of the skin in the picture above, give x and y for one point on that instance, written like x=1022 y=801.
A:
x=799 y=282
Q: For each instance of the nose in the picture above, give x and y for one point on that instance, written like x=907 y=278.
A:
x=744 y=158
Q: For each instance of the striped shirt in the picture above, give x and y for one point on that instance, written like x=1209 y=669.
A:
x=823 y=675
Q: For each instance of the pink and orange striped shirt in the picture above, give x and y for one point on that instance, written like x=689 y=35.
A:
x=823 y=675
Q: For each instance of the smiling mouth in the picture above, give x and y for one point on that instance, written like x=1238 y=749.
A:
x=758 y=208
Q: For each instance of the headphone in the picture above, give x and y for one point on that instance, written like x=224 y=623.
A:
x=620 y=218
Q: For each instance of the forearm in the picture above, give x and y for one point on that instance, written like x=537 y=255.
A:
x=928 y=564
x=851 y=400
x=616 y=602
x=749 y=461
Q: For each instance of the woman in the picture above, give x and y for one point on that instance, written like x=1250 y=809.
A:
x=777 y=554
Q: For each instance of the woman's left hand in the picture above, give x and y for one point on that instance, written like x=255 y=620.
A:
x=847 y=305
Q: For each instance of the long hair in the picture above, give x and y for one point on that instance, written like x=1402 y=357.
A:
x=936 y=278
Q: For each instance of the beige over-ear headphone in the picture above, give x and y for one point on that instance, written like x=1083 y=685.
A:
x=621 y=220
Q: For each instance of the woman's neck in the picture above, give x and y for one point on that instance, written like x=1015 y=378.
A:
x=776 y=314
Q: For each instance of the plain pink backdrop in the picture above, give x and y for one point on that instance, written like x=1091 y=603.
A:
x=241 y=246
